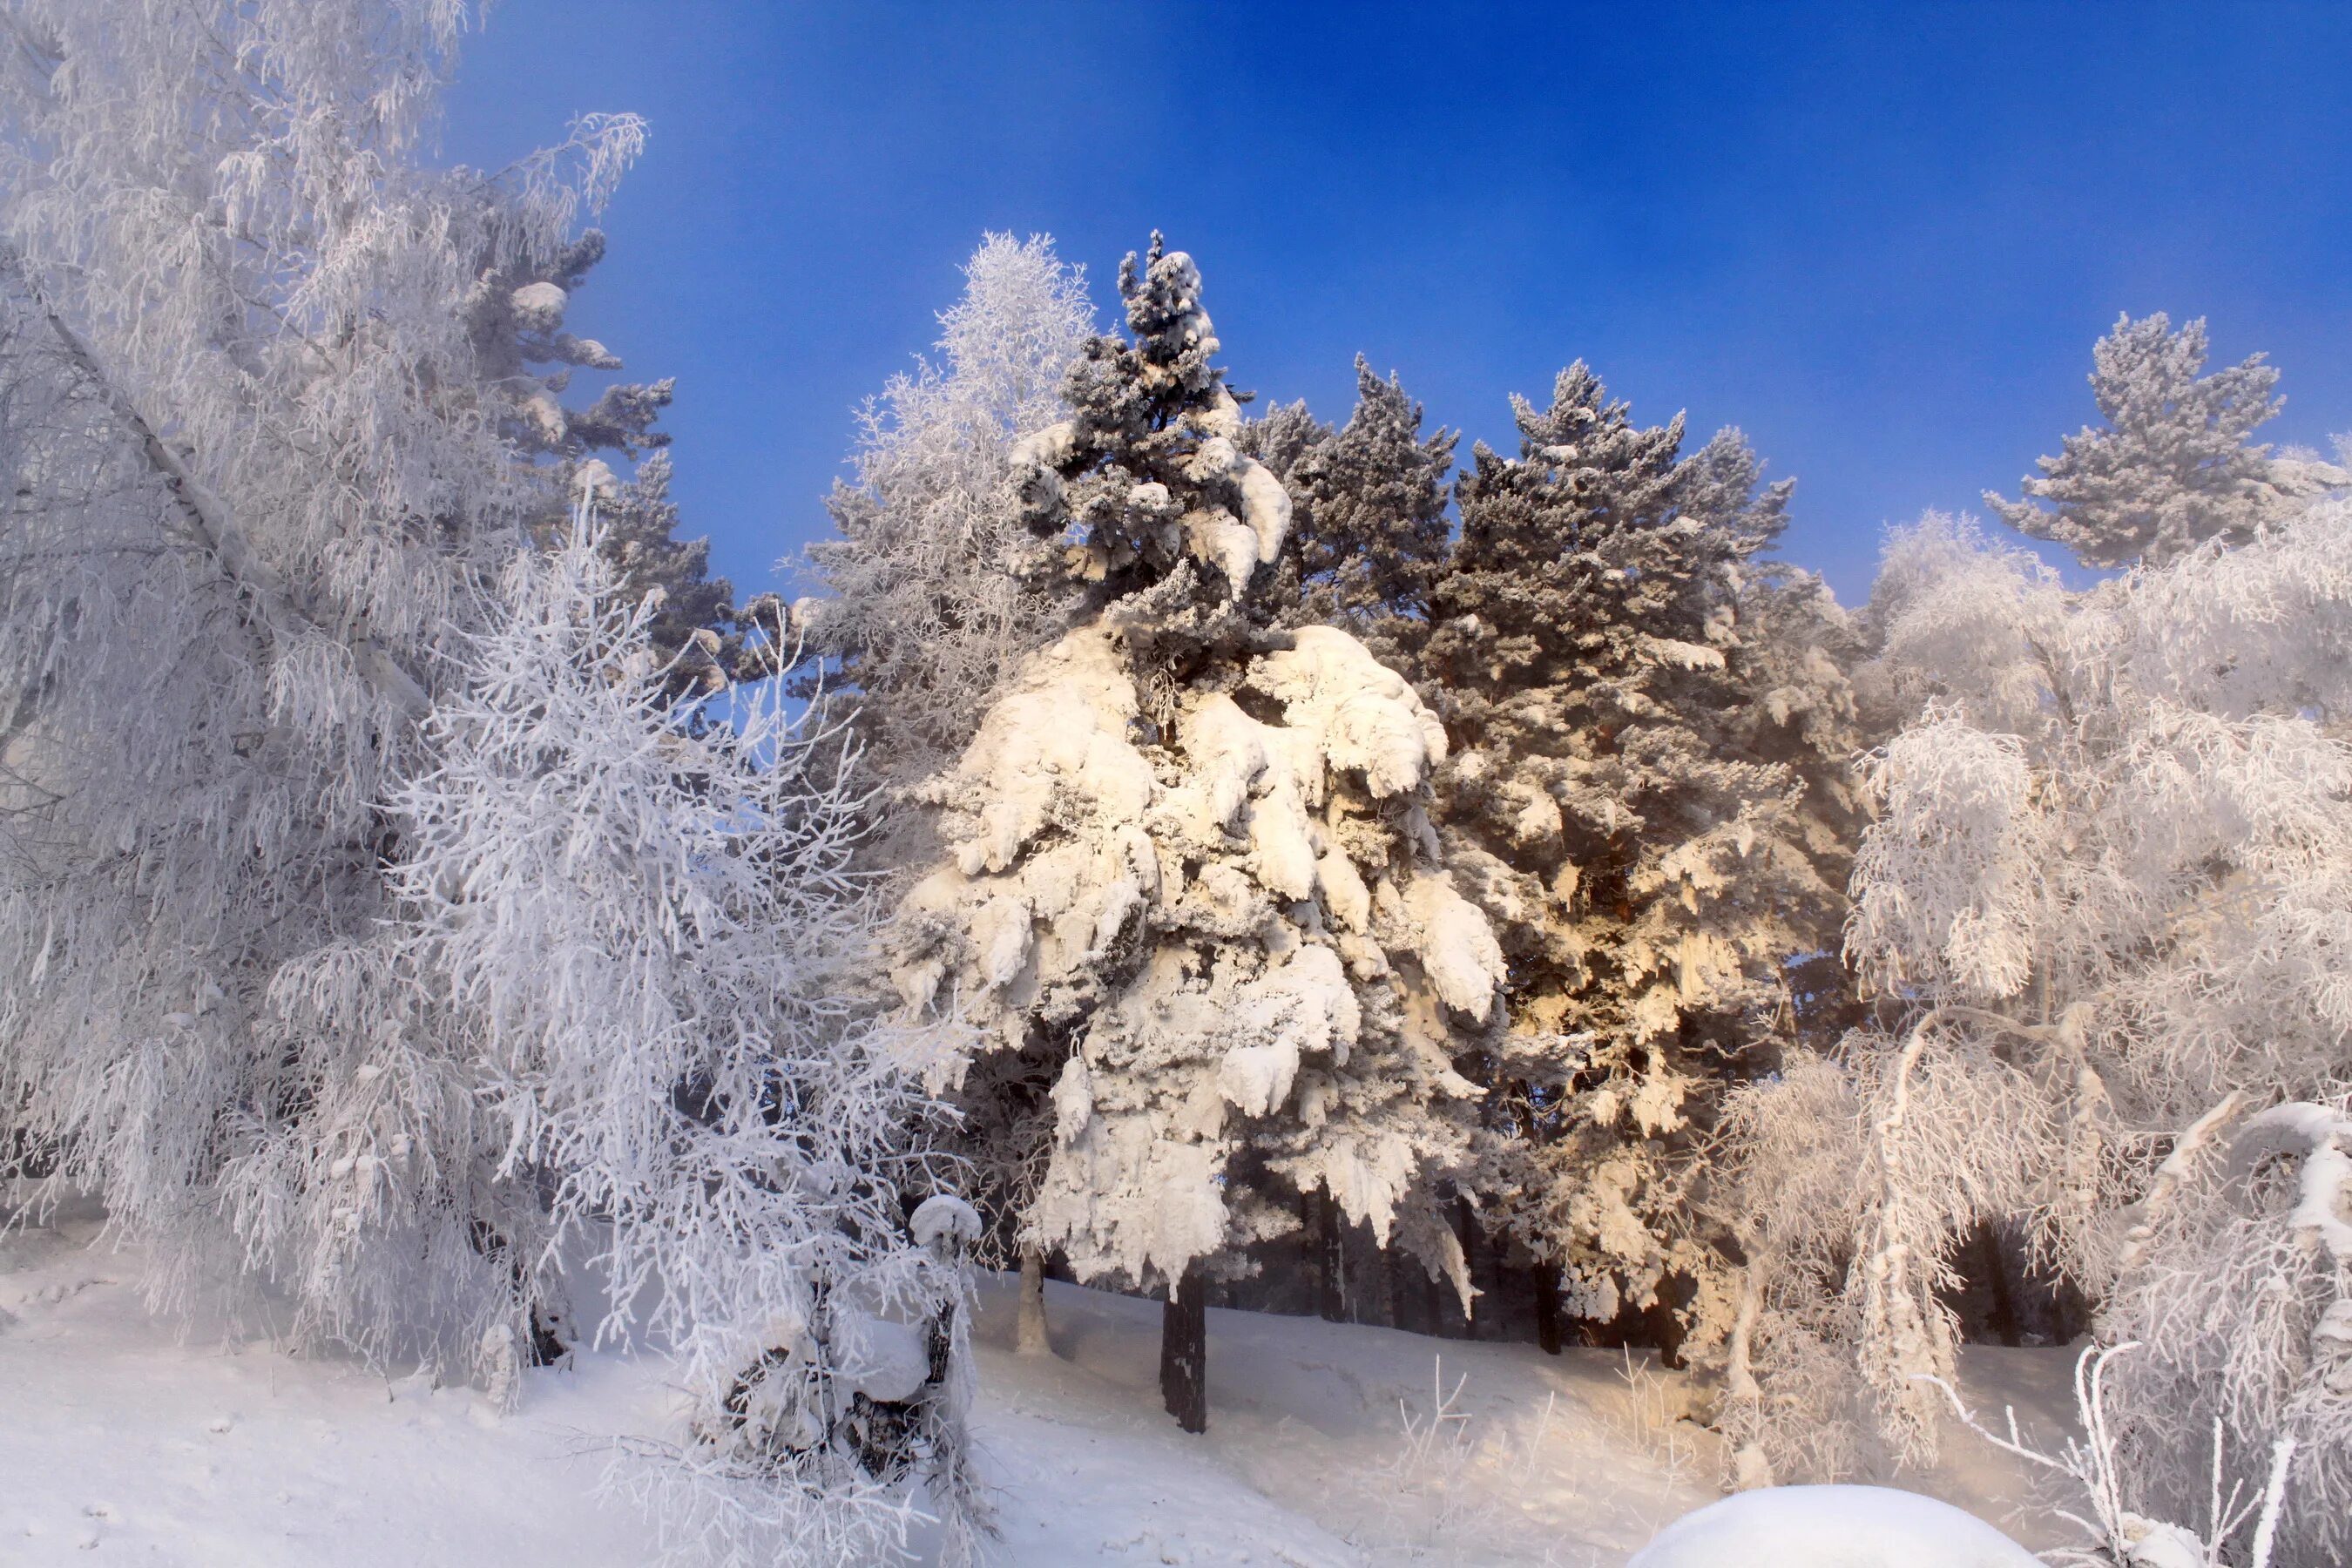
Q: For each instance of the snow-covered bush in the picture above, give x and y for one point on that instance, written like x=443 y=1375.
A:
x=2097 y=1463
x=2239 y=1283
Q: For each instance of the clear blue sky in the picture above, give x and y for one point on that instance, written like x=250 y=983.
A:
x=1881 y=238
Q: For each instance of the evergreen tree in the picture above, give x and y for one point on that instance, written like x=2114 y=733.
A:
x=1193 y=906
x=1368 y=507
x=2175 y=465
x=1645 y=794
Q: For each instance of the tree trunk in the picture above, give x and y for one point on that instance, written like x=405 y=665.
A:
x=1548 y=1333
x=1992 y=1259
x=1184 y=1350
x=1323 y=1240
x=1029 y=1326
x=1465 y=1230
x=1404 y=1298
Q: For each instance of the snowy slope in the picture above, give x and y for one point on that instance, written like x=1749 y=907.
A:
x=119 y=1438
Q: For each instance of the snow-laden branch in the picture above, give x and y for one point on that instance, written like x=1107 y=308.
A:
x=274 y=601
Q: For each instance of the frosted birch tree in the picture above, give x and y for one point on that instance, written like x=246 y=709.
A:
x=259 y=459
x=617 y=1012
x=2109 y=876
x=1192 y=903
x=935 y=590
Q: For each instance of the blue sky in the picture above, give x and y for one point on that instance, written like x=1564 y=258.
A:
x=1880 y=238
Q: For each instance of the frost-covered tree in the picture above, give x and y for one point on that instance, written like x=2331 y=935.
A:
x=517 y=318
x=1192 y=905
x=935 y=590
x=2108 y=877
x=705 y=640
x=1647 y=727
x=257 y=464
x=1368 y=507
x=2175 y=464
x=613 y=1010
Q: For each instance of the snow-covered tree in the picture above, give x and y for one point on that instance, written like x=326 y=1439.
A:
x=1192 y=905
x=1367 y=505
x=1647 y=728
x=935 y=590
x=2175 y=464
x=705 y=640
x=517 y=318
x=257 y=463
x=2109 y=878
x=614 y=1010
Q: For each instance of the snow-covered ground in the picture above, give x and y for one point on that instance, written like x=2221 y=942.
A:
x=1326 y=1446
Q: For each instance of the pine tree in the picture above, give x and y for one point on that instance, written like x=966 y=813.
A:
x=1644 y=794
x=2175 y=464
x=1193 y=908
x=516 y=317
x=1367 y=505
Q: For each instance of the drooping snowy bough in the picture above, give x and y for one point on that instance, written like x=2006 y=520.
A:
x=1192 y=903
x=1240 y=929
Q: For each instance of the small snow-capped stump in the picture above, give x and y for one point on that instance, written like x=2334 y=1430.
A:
x=1832 y=1527
x=944 y=1219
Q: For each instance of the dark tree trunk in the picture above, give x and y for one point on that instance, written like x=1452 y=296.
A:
x=1548 y=1327
x=1406 y=1302
x=1993 y=1258
x=1184 y=1350
x=1323 y=1240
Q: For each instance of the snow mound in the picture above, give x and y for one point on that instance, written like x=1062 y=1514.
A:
x=1832 y=1527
